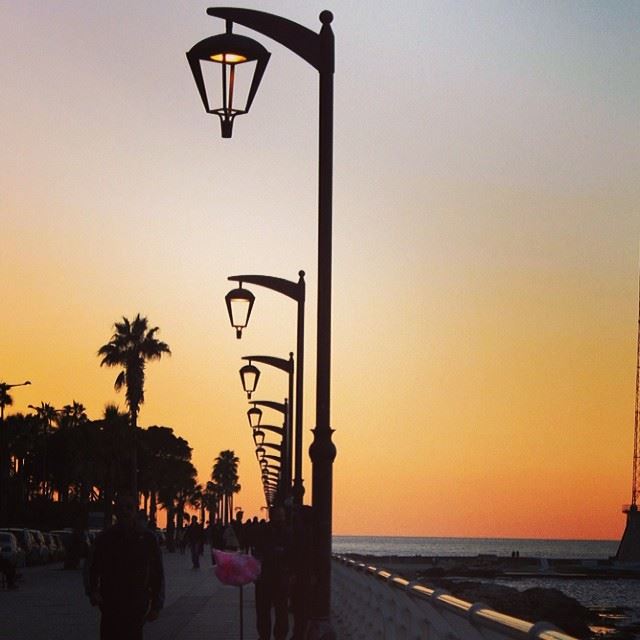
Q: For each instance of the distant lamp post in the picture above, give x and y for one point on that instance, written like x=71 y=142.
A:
x=239 y=304
x=231 y=52
x=4 y=397
x=249 y=374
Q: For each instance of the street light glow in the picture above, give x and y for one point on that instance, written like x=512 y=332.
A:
x=228 y=58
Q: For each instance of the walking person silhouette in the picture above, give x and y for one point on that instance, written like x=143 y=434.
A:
x=273 y=549
x=126 y=576
x=194 y=539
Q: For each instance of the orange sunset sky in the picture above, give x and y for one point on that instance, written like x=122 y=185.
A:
x=486 y=230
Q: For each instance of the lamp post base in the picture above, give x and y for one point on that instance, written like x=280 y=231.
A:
x=320 y=629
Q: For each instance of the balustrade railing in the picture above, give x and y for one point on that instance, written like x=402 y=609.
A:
x=373 y=604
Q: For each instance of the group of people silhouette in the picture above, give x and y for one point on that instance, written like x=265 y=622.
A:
x=125 y=574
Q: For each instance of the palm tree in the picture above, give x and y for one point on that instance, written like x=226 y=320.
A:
x=22 y=435
x=71 y=415
x=5 y=399
x=225 y=474
x=46 y=414
x=210 y=499
x=177 y=483
x=160 y=449
x=132 y=344
x=69 y=452
x=114 y=445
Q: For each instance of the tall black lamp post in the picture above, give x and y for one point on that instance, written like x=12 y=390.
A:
x=318 y=50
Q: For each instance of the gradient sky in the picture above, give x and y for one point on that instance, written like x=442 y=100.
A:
x=486 y=230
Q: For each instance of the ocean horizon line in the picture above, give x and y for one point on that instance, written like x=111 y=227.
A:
x=434 y=537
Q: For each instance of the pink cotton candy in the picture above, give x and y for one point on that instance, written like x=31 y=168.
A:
x=235 y=569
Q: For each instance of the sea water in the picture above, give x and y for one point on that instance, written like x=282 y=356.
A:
x=407 y=546
x=592 y=593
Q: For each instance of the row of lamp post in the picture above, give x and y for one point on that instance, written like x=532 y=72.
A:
x=239 y=306
x=231 y=51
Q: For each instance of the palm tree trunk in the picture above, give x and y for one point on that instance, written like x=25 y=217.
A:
x=171 y=530
x=152 y=508
x=133 y=415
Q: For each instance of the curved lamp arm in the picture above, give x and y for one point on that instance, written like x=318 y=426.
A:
x=276 y=447
x=273 y=361
x=6 y=386
x=268 y=427
x=310 y=46
x=277 y=406
x=294 y=290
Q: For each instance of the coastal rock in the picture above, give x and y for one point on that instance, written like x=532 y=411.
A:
x=532 y=605
x=560 y=609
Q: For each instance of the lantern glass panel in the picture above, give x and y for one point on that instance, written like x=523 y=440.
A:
x=228 y=81
x=249 y=376
x=255 y=416
x=240 y=312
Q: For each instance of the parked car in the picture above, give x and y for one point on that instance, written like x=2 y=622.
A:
x=43 y=549
x=76 y=544
x=65 y=535
x=10 y=550
x=27 y=543
x=54 y=555
x=61 y=551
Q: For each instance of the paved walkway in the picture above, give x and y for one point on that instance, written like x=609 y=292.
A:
x=50 y=605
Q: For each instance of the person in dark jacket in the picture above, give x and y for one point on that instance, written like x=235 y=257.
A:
x=126 y=576
x=273 y=549
x=194 y=539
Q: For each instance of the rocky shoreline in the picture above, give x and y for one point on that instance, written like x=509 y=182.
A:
x=461 y=577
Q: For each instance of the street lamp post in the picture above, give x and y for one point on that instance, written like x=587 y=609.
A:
x=239 y=305
x=5 y=399
x=46 y=413
x=317 y=49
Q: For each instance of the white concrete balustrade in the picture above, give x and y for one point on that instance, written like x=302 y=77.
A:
x=371 y=603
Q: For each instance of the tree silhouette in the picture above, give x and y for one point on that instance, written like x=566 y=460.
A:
x=46 y=415
x=132 y=344
x=5 y=397
x=225 y=475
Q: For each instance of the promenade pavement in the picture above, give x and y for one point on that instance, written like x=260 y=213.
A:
x=50 y=604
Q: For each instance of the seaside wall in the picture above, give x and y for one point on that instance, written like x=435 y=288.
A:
x=370 y=603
